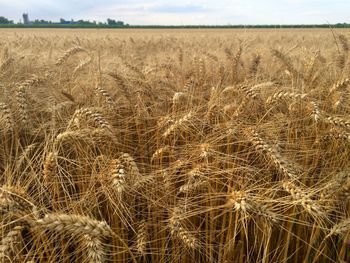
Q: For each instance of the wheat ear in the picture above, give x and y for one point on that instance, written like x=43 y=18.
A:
x=75 y=224
x=70 y=52
x=178 y=230
x=118 y=175
x=195 y=182
x=286 y=61
x=141 y=238
x=8 y=242
x=340 y=85
x=17 y=198
x=130 y=164
x=6 y=113
x=94 y=249
x=238 y=201
x=178 y=124
x=282 y=164
x=336 y=121
x=316 y=113
x=22 y=102
x=255 y=62
x=341 y=228
x=82 y=65
x=302 y=198
x=285 y=95
x=249 y=91
x=345 y=136
x=90 y=114
x=50 y=166
x=102 y=92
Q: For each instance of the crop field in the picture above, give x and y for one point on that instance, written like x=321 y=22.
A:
x=175 y=145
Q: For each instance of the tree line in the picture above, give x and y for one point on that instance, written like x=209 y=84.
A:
x=112 y=23
x=109 y=22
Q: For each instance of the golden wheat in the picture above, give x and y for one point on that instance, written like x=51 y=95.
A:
x=157 y=146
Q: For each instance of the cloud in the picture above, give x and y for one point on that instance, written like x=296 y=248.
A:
x=125 y=12
x=182 y=11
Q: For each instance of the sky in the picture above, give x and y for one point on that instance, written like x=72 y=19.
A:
x=183 y=12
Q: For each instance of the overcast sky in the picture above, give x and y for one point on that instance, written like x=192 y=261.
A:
x=181 y=12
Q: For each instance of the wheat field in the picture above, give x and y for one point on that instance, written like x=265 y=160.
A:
x=174 y=146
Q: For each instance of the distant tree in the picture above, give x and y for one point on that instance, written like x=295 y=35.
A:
x=41 y=22
x=84 y=22
x=112 y=22
x=4 y=20
x=120 y=23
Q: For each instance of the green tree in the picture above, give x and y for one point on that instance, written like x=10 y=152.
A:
x=4 y=20
x=112 y=22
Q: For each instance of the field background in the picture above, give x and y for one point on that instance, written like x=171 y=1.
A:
x=197 y=145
